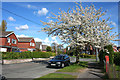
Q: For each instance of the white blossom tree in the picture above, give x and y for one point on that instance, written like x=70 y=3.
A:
x=80 y=26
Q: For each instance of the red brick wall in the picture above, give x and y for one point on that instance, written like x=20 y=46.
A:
x=26 y=44
x=23 y=50
x=33 y=41
x=5 y=43
x=23 y=44
x=12 y=36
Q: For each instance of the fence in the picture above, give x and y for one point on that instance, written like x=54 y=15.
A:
x=112 y=72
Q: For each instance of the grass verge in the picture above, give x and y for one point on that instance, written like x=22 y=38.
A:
x=56 y=76
x=61 y=76
x=74 y=67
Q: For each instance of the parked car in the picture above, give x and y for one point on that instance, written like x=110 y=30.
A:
x=17 y=51
x=61 y=60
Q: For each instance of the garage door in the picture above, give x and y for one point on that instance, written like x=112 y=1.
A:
x=3 y=49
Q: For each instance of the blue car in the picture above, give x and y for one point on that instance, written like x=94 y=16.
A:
x=17 y=51
x=60 y=61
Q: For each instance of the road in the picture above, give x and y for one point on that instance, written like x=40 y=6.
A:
x=33 y=69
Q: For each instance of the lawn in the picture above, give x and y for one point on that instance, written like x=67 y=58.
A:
x=56 y=76
x=74 y=67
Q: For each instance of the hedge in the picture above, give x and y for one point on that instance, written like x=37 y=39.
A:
x=83 y=55
x=103 y=53
x=24 y=55
x=117 y=58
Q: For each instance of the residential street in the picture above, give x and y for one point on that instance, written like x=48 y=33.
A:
x=30 y=69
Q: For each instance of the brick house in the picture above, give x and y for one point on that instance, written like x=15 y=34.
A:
x=8 y=41
x=26 y=44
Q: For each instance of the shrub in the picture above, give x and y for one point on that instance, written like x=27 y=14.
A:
x=102 y=56
x=111 y=53
x=117 y=58
x=83 y=55
x=48 y=48
x=103 y=53
x=24 y=55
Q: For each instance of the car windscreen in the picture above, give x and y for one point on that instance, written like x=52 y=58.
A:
x=59 y=57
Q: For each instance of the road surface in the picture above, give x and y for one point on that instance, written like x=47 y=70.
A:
x=33 y=69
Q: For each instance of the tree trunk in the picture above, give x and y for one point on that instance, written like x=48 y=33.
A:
x=77 y=56
x=97 y=55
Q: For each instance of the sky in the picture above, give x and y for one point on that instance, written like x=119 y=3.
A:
x=36 y=11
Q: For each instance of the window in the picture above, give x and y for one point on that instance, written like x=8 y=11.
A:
x=13 y=41
x=8 y=40
x=32 y=44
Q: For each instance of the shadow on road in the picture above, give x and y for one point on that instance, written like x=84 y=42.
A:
x=94 y=65
x=40 y=61
x=95 y=69
x=53 y=67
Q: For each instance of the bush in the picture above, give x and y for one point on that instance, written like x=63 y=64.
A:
x=83 y=55
x=111 y=53
x=48 y=48
x=24 y=55
x=102 y=56
x=117 y=58
x=103 y=53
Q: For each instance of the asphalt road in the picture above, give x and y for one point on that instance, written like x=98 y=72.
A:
x=33 y=69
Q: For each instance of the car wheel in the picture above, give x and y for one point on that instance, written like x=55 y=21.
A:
x=62 y=65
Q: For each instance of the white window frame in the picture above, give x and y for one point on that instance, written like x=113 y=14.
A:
x=8 y=40
x=13 y=40
x=30 y=44
x=33 y=44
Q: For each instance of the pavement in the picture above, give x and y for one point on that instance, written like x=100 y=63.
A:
x=32 y=69
x=93 y=71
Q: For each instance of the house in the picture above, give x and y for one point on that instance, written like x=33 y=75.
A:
x=8 y=41
x=26 y=44
x=118 y=48
x=44 y=48
x=115 y=49
x=38 y=45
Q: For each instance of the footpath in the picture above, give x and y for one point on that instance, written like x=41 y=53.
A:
x=92 y=72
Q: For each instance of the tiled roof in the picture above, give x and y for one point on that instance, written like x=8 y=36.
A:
x=25 y=39
x=4 y=34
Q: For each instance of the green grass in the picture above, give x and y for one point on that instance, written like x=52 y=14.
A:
x=56 y=76
x=74 y=67
x=117 y=68
x=61 y=76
